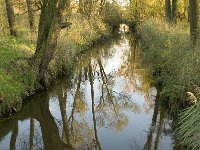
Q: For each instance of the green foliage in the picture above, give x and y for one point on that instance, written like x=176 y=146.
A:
x=81 y=36
x=139 y=11
x=112 y=14
x=16 y=76
x=189 y=126
x=9 y=88
x=175 y=66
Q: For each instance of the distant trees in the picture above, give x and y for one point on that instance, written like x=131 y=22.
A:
x=30 y=13
x=90 y=7
x=112 y=14
x=171 y=10
x=174 y=11
x=168 y=10
x=11 y=17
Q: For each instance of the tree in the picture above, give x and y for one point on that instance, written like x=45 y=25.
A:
x=91 y=79
x=194 y=20
x=174 y=11
x=11 y=17
x=171 y=10
x=50 y=24
x=30 y=13
x=168 y=10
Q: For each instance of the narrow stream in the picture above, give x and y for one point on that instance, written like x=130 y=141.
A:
x=108 y=103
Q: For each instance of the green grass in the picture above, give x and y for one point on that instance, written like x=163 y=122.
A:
x=12 y=79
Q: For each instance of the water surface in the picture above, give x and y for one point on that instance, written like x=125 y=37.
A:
x=108 y=103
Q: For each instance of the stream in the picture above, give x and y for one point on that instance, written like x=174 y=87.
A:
x=108 y=103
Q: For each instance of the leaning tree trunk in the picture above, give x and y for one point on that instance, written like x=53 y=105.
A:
x=194 y=20
x=11 y=17
x=50 y=25
x=168 y=10
x=30 y=13
x=174 y=11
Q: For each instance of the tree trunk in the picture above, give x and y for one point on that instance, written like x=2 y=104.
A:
x=30 y=13
x=11 y=17
x=174 y=11
x=194 y=20
x=91 y=80
x=168 y=10
x=14 y=138
x=50 y=25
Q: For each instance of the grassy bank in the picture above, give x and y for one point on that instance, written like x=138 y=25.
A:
x=18 y=79
x=174 y=65
x=166 y=52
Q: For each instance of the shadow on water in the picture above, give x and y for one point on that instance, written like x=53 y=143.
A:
x=108 y=103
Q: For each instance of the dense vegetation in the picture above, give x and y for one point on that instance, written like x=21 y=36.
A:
x=22 y=33
x=170 y=44
x=39 y=40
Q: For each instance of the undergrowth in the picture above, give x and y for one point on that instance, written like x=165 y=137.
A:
x=174 y=65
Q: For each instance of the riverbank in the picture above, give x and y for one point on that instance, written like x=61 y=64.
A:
x=174 y=66
x=18 y=79
x=107 y=94
x=165 y=51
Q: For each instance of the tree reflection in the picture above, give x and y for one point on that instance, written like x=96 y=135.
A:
x=62 y=97
x=157 y=126
x=31 y=133
x=39 y=111
x=13 y=137
x=136 y=78
x=91 y=79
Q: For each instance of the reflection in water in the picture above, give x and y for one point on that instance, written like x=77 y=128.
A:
x=108 y=103
x=155 y=124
